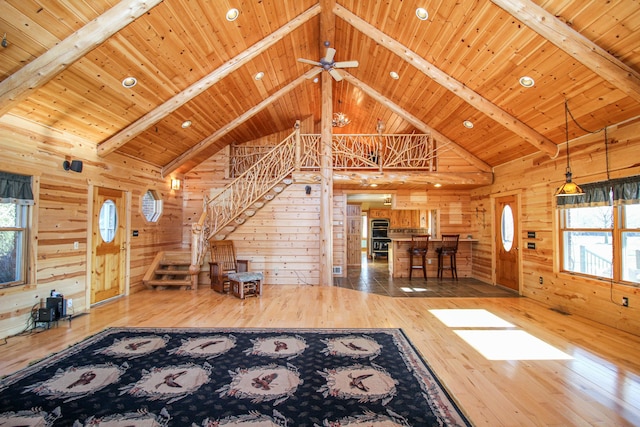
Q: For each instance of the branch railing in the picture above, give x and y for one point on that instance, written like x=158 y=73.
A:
x=301 y=152
x=243 y=192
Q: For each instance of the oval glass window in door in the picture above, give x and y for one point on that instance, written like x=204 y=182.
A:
x=506 y=228
x=108 y=221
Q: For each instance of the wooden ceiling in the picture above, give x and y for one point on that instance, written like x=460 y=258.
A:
x=64 y=62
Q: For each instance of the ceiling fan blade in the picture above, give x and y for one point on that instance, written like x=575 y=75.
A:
x=314 y=72
x=335 y=74
x=308 y=61
x=346 y=64
x=331 y=52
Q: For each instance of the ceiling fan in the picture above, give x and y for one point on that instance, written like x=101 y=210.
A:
x=328 y=64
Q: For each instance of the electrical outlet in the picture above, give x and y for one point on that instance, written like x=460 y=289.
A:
x=625 y=302
x=428 y=260
x=69 y=303
x=76 y=245
x=540 y=280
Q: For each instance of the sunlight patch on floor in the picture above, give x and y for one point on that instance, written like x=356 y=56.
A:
x=405 y=289
x=511 y=345
x=499 y=343
x=470 y=318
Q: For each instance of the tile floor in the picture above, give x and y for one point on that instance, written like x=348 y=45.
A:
x=373 y=277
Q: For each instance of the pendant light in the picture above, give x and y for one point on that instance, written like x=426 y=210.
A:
x=569 y=188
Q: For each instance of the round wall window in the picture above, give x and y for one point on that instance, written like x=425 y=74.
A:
x=108 y=221
x=506 y=228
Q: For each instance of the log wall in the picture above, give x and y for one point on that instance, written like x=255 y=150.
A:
x=534 y=179
x=61 y=215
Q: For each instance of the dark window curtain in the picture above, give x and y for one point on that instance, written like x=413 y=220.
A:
x=15 y=188
x=624 y=190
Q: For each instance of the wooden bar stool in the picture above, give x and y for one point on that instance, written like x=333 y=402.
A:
x=418 y=249
x=449 y=249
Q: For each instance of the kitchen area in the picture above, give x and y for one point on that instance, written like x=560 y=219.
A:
x=389 y=238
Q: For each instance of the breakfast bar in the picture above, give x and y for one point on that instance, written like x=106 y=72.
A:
x=399 y=257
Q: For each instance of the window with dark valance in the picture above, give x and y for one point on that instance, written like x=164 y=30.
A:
x=621 y=191
x=16 y=189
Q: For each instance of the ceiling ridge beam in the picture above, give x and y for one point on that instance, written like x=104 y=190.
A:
x=19 y=85
x=181 y=98
x=473 y=98
x=575 y=45
x=211 y=139
x=414 y=121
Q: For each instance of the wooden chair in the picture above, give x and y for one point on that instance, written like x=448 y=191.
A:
x=418 y=249
x=223 y=262
x=449 y=249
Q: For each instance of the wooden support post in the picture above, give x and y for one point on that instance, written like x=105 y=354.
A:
x=326 y=184
x=298 y=146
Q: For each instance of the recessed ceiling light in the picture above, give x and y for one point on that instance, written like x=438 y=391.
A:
x=394 y=75
x=422 y=13
x=316 y=80
x=526 y=81
x=232 y=14
x=259 y=75
x=186 y=124
x=373 y=185
x=468 y=124
x=437 y=185
x=129 y=82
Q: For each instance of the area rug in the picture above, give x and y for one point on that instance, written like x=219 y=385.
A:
x=231 y=377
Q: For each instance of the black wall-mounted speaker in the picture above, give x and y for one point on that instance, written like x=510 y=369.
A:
x=74 y=165
x=307 y=189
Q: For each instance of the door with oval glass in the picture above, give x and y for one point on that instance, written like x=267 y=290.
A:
x=108 y=247
x=506 y=244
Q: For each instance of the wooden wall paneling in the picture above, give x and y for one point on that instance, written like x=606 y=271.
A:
x=340 y=230
x=536 y=179
x=282 y=238
x=62 y=214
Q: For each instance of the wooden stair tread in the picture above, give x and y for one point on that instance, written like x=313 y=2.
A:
x=162 y=272
x=168 y=282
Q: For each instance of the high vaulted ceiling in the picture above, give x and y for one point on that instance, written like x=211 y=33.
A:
x=64 y=63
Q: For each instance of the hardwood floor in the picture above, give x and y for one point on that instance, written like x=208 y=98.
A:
x=599 y=385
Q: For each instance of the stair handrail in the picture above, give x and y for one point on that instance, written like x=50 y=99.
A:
x=240 y=194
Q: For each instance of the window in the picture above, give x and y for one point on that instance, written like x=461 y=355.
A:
x=600 y=231
x=151 y=206
x=15 y=199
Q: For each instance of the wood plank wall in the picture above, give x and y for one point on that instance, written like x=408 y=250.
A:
x=534 y=179
x=62 y=215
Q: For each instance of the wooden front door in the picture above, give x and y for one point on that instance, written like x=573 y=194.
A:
x=506 y=242
x=108 y=247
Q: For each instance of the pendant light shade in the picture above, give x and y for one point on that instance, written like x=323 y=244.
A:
x=569 y=188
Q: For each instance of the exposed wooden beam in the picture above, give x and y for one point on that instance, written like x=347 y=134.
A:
x=38 y=72
x=178 y=100
x=473 y=98
x=473 y=160
x=175 y=164
x=575 y=44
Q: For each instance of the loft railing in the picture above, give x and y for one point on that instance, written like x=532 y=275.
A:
x=259 y=169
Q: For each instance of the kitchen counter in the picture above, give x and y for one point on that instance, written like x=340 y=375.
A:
x=399 y=256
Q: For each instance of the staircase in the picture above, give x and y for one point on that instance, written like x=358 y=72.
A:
x=237 y=202
x=171 y=268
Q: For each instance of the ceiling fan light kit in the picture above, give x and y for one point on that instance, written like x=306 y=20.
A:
x=329 y=65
